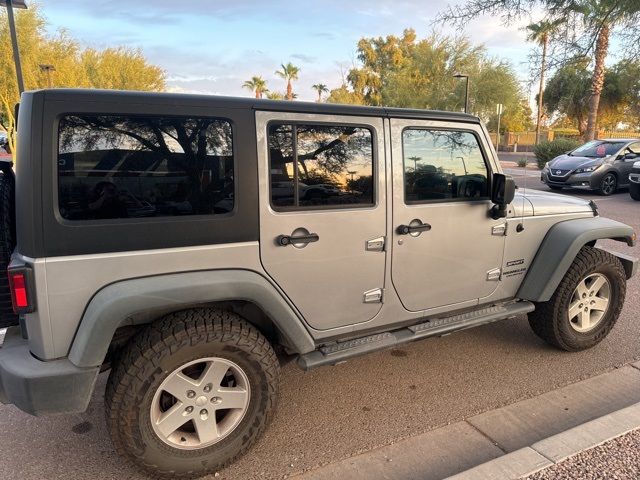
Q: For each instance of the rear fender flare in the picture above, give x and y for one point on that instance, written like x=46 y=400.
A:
x=117 y=304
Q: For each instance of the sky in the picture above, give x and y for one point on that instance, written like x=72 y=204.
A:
x=213 y=46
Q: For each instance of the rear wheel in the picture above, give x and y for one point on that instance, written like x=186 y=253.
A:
x=191 y=393
x=586 y=304
x=609 y=184
x=634 y=191
x=7 y=244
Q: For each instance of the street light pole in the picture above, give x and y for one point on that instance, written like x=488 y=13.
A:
x=499 y=109
x=14 y=38
x=48 y=69
x=466 y=90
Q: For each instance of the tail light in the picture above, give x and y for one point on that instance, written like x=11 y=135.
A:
x=20 y=281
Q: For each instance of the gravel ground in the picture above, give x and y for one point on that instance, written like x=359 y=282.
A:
x=617 y=459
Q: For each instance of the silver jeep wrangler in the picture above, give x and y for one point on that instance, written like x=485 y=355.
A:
x=189 y=242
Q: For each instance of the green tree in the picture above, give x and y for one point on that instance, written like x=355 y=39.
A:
x=320 y=88
x=74 y=67
x=589 y=27
x=540 y=33
x=567 y=94
x=419 y=73
x=345 y=96
x=119 y=68
x=275 y=96
x=289 y=73
x=257 y=84
x=628 y=84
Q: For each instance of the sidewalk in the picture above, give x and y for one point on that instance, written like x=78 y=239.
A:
x=498 y=444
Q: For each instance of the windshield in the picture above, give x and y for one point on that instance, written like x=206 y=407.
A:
x=597 y=149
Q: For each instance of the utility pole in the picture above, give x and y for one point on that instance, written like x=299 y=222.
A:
x=499 y=108
x=466 y=90
x=10 y=4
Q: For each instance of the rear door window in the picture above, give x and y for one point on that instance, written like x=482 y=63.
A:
x=112 y=167
x=320 y=166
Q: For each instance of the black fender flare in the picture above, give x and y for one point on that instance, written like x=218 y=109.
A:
x=560 y=247
x=119 y=304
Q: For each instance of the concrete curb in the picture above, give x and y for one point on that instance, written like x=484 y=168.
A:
x=557 y=448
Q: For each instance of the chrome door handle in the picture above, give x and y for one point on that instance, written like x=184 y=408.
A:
x=407 y=229
x=284 y=240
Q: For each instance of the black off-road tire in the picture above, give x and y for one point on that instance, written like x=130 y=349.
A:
x=550 y=320
x=634 y=191
x=7 y=244
x=160 y=349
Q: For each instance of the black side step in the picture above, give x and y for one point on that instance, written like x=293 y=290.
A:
x=341 y=351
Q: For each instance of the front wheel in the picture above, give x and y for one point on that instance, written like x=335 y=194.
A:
x=586 y=304
x=191 y=393
x=608 y=185
x=634 y=191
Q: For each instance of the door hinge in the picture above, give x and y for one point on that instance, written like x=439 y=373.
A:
x=375 y=244
x=373 y=296
x=494 y=274
x=499 y=230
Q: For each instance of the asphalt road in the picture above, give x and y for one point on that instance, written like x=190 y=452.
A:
x=335 y=412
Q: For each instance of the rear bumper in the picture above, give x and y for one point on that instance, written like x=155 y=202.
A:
x=42 y=388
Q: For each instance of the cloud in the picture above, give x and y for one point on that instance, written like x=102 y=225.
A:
x=213 y=46
x=304 y=58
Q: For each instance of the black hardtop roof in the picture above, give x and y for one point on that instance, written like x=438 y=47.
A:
x=87 y=95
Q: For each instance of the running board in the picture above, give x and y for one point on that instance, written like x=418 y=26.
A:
x=341 y=351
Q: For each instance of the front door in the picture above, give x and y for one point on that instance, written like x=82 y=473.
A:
x=446 y=248
x=322 y=213
x=631 y=154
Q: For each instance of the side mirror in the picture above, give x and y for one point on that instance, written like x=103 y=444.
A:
x=503 y=191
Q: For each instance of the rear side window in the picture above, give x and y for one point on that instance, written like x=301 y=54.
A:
x=320 y=166
x=443 y=165
x=144 y=166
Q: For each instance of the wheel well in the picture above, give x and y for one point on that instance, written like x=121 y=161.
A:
x=250 y=311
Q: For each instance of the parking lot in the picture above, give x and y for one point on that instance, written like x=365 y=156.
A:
x=335 y=412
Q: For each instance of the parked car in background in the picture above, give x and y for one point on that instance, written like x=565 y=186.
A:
x=634 y=181
x=601 y=165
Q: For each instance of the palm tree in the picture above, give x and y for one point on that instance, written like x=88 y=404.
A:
x=275 y=96
x=599 y=17
x=256 y=84
x=540 y=33
x=289 y=72
x=320 y=88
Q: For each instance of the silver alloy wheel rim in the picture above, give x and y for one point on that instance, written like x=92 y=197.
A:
x=589 y=302
x=608 y=184
x=200 y=403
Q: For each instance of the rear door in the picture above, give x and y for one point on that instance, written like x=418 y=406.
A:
x=322 y=213
x=446 y=248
